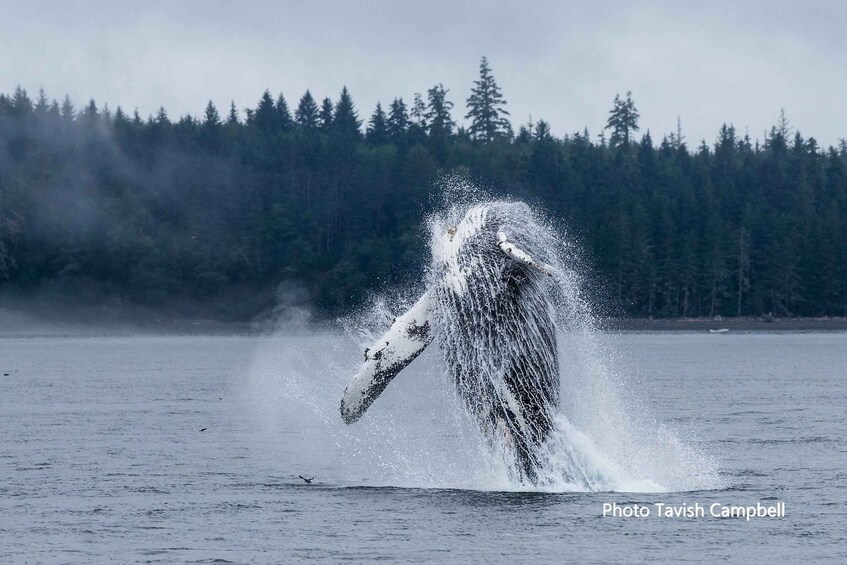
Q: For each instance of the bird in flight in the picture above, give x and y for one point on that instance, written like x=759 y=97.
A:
x=308 y=481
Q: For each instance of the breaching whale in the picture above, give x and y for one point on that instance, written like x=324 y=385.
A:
x=488 y=305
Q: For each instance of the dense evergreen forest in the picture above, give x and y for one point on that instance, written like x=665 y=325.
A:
x=106 y=206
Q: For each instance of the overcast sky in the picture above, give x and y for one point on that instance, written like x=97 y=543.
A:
x=736 y=62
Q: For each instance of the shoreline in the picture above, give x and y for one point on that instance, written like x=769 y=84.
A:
x=16 y=322
x=745 y=324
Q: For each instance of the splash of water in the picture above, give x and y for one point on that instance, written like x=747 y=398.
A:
x=599 y=437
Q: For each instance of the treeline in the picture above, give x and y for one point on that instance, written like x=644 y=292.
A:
x=99 y=205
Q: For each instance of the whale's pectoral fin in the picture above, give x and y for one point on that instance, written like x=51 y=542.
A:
x=407 y=337
x=520 y=255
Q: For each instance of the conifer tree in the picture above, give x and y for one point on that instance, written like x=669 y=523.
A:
x=264 y=116
x=486 y=108
x=438 y=112
x=21 y=102
x=346 y=120
x=161 y=115
x=623 y=121
x=377 y=128
x=419 y=111
x=542 y=131
x=90 y=114
x=398 y=120
x=211 y=127
x=41 y=104
x=439 y=121
x=782 y=126
x=283 y=115
x=678 y=140
x=326 y=114
x=306 y=115
x=525 y=132
x=211 y=118
x=54 y=110
x=232 y=118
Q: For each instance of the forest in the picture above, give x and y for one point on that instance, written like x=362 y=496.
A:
x=219 y=211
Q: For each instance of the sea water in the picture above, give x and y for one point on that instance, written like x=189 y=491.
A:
x=188 y=448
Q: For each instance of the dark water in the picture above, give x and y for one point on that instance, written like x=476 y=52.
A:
x=102 y=457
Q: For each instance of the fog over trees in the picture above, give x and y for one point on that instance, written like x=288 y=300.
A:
x=101 y=205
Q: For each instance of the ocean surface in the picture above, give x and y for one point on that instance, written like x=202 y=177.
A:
x=188 y=448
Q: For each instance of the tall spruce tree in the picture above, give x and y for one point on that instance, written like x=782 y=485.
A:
x=21 y=102
x=377 y=127
x=346 y=121
x=486 y=108
x=419 y=111
x=438 y=112
x=306 y=116
x=211 y=118
x=326 y=114
x=232 y=118
x=210 y=129
x=623 y=121
x=398 y=120
x=265 y=117
x=283 y=114
x=439 y=120
x=67 y=111
x=524 y=134
x=41 y=103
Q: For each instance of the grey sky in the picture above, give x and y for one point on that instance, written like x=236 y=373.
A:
x=737 y=62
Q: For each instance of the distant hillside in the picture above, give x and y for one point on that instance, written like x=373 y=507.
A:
x=99 y=205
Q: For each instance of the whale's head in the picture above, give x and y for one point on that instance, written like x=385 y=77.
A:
x=495 y=232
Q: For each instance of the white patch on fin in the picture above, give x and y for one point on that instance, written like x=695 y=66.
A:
x=407 y=337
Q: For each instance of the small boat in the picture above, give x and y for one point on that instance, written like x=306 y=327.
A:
x=720 y=331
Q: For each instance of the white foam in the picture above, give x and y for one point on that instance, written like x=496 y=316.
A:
x=418 y=434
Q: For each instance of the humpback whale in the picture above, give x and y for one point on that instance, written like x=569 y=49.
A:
x=488 y=306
